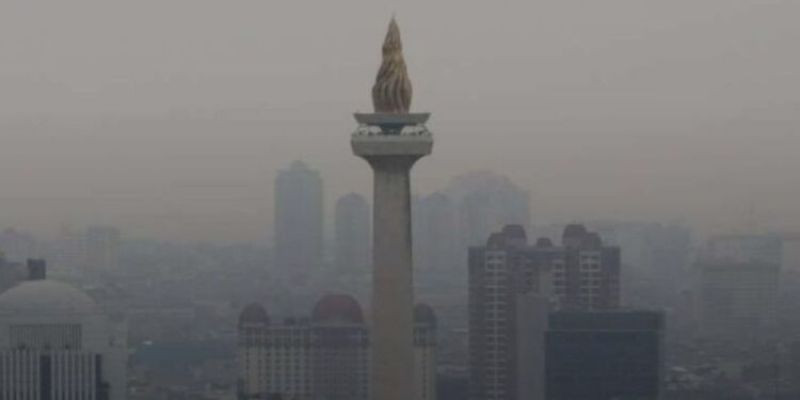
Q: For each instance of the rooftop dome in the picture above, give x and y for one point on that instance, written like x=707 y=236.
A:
x=44 y=297
x=338 y=308
x=423 y=314
x=574 y=230
x=253 y=313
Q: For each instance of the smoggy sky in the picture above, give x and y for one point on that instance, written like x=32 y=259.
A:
x=170 y=117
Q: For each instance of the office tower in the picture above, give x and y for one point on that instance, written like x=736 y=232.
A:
x=604 y=355
x=435 y=234
x=512 y=284
x=656 y=258
x=424 y=352
x=298 y=221
x=737 y=286
x=325 y=356
x=55 y=343
x=391 y=140
x=486 y=202
x=352 y=224
x=101 y=246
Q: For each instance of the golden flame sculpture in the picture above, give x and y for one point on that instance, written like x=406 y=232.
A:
x=392 y=90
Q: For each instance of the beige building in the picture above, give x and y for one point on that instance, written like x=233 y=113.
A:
x=323 y=357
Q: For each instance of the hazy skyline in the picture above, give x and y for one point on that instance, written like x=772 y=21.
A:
x=172 y=118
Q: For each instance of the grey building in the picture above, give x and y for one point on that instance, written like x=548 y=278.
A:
x=604 y=355
x=11 y=273
x=352 y=234
x=485 y=202
x=737 y=287
x=435 y=233
x=298 y=220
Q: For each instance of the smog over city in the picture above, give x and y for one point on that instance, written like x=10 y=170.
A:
x=384 y=200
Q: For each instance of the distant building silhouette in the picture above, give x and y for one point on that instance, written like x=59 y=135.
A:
x=11 y=273
x=17 y=245
x=486 y=202
x=298 y=220
x=435 y=234
x=322 y=357
x=737 y=287
x=352 y=230
x=102 y=248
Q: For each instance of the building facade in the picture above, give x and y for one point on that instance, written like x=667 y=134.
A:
x=326 y=356
x=55 y=343
x=737 y=287
x=352 y=230
x=512 y=285
x=435 y=235
x=298 y=221
x=604 y=355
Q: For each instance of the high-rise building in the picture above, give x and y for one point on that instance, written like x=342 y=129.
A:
x=391 y=140
x=435 y=234
x=604 y=355
x=326 y=356
x=55 y=343
x=508 y=302
x=11 y=273
x=298 y=220
x=656 y=259
x=424 y=353
x=737 y=287
x=352 y=225
x=486 y=202
x=102 y=248
x=512 y=284
x=589 y=277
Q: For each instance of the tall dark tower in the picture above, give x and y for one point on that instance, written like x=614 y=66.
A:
x=391 y=140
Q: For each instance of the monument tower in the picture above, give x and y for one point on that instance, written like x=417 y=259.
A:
x=391 y=140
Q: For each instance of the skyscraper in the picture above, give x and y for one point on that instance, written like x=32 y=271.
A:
x=298 y=220
x=738 y=281
x=512 y=285
x=391 y=140
x=486 y=202
x=55 y=343
x=589 y=277
x=102 y=248
x=435 y=234
x=352 y=229
x=604 y=355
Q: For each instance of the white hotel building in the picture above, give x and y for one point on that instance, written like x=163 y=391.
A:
x=56 y=344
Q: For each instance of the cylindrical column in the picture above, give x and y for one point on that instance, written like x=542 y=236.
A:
x=392 y=291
